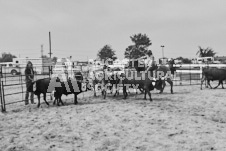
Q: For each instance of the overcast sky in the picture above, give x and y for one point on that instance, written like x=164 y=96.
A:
x=80 y=28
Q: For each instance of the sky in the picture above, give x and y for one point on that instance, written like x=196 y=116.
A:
x=80 y=28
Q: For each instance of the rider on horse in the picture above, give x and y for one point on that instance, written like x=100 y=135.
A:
x=149 y=60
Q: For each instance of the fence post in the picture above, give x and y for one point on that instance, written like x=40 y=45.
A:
x=21 y=82
x=1 y=76
x=190 y=72
x=180 y=78
x=200 y=72
x=50 y=73
x=2 y=97
x=2 y=107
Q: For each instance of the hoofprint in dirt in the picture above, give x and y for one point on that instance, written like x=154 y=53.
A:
x=190 y=119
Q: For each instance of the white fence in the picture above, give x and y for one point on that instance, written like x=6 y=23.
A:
x=192 y=72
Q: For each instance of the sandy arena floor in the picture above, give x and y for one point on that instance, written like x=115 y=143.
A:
x=190 y=119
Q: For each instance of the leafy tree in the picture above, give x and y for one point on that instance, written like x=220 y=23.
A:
x=7 y=57
x=45 y=56
x=54 y=59
x=208 y=52
x=106 y=53
x=139 y=48
x=184 y=60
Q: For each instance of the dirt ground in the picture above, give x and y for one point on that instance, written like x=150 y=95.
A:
x=189 y=119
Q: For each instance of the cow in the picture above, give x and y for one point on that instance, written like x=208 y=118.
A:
x=43 y=86
x=213 y=74
x=96 y=77
x=137 y=79
x=109 y=80
x=70 y=87
x=162 y=71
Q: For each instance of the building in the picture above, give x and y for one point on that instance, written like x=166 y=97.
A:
x=221 y=59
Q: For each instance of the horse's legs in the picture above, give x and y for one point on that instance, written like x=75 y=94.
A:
x=171 y=85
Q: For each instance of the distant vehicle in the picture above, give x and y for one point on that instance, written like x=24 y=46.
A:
x=9 y=68
x=205 y=60
x=41 y=65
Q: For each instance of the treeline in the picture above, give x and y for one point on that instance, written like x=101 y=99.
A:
x=7 y=57
x=140 y=47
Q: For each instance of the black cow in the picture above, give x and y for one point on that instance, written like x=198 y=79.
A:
x=41 y=87
x=70 y=87
x=213 y=74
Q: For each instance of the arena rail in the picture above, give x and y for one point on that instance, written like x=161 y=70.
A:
x=191 y=72
x=8 y=82
x=184 y=72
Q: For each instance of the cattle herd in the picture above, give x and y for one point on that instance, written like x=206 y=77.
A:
x=131 y=77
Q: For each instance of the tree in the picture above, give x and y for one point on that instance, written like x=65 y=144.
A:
x=208 y=52
x=54 y=59
x=106 y=53
x=139 y=48
x=7 y=57
x=45 y=56
x=184 y=60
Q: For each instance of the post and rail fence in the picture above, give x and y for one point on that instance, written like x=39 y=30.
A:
x=13 y=87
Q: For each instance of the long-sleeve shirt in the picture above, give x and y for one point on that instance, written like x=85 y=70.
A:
x=29 y=74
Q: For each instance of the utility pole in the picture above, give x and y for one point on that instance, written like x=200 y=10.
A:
x=50 y=53
x=41 y=51
x=162 y=51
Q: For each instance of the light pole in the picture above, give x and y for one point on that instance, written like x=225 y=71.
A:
x=162 y=51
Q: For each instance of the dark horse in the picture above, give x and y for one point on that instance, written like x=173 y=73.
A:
x=161 y=72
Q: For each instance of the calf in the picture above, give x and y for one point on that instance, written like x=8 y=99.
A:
x=41 y=87
x=213 y=74
x=70 y=87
